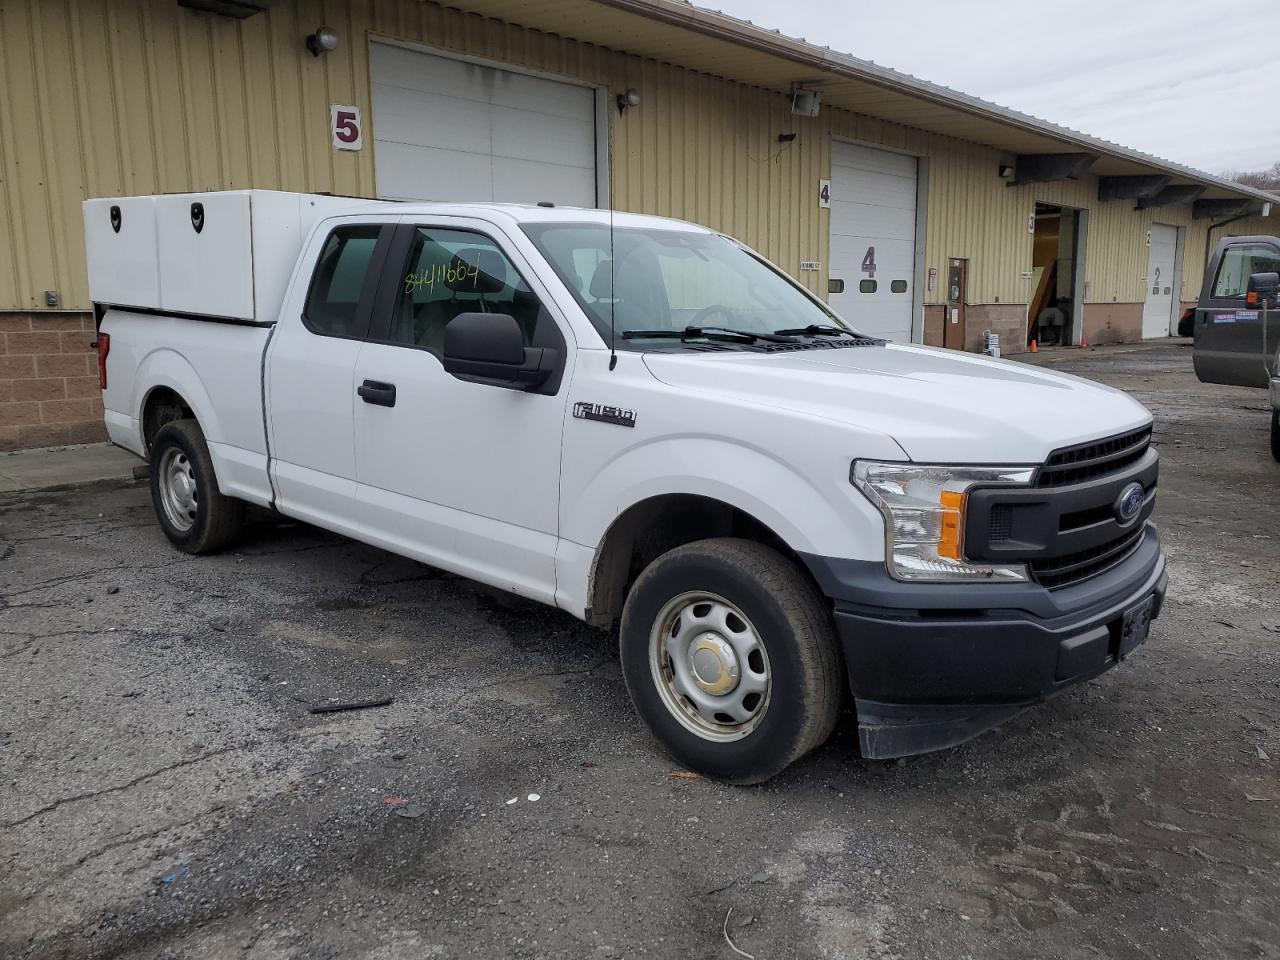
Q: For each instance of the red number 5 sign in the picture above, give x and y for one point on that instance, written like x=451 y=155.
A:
x=348 y=132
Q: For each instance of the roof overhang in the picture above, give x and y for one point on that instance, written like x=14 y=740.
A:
x=671 y=31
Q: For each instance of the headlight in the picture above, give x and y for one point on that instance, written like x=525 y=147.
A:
x=924 y=511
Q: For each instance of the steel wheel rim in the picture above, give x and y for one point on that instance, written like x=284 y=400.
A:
x=710 y=666
x=179 y=492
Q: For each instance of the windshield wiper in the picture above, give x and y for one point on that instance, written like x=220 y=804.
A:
x=726 y=334
x=815 y=330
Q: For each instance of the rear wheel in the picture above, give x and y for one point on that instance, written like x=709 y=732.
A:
x=730 y=657
x=193 y=513
x=1275 y=434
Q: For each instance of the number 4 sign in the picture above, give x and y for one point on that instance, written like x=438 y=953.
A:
x=348 y=131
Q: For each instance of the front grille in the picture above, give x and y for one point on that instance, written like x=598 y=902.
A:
x=1074 y=567
x=1094 y=459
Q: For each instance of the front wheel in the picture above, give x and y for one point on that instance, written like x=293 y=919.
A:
x=1275 y=434
x=193 y=513
x=729 y=655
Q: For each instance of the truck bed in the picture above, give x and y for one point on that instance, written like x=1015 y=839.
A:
x=217 y=368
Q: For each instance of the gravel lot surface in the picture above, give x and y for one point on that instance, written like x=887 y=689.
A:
x=164 y=791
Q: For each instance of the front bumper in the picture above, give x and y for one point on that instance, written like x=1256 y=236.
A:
x=934 y=665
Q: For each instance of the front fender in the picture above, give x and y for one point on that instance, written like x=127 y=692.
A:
x=827 y=517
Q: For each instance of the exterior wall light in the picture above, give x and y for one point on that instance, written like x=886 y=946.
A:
x=324 y=40
x=805 y=103
x=629 y=99
x=1006 y=171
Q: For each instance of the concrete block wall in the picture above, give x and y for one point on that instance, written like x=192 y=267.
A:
x=48 y=381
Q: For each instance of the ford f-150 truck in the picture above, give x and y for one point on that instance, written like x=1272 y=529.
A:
x=1237 y=322
x=646 y=424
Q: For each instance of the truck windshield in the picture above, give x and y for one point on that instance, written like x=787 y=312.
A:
x=664 y=285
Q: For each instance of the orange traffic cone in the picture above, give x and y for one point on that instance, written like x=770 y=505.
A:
x=1084 y=342
x=1034 y=348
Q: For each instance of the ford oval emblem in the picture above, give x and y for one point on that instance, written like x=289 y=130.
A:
x=1129 y=503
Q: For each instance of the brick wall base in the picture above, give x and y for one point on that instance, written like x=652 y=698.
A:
x=48 y=381
x=1113 y=323
x=1009 y=320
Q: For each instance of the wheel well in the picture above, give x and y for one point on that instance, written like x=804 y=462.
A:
x=162 y=406
x=648 y=529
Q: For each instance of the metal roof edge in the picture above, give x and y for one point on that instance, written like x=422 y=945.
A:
x=722 y=26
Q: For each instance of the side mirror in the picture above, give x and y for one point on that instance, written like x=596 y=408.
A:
x=489 y=348
x=1263 y=288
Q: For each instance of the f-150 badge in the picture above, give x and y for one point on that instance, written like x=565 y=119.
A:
x=605 y=414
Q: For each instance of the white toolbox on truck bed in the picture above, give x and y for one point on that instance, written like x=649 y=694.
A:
x=228 y=254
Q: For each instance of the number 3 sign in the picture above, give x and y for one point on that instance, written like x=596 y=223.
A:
x=348 y=132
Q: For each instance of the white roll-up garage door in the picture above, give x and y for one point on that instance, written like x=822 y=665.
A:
x=1162 y=285
x=446 y=129
x=873 y=238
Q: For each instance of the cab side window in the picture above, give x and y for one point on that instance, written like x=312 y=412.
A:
x=1238 y=264
x=449 y=272
x=333 y=302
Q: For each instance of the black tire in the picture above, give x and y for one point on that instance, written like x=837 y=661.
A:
x=1275 y=435
x=794 y=625
x=214 y=520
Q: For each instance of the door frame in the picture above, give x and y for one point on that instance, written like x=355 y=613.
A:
x=1175 y=311
x=1079 y=283
x=963 y=264
x=603 y=118
x=922 y=216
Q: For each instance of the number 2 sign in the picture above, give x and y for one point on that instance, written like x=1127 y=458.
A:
x=348 y=131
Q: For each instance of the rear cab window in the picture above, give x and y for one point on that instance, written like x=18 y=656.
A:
x=343 y=283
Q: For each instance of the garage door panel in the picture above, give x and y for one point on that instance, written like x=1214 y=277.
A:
x=866 y=220
x=449 y=123
x=851 y=250
x=445 y=129
x=526 y=181
x=428 y=173
x=539 y=94
x=427 y=75
x=542 y=137
x=856 y=156
x=875 y=188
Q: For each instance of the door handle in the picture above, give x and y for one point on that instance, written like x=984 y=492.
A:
x=378 y=393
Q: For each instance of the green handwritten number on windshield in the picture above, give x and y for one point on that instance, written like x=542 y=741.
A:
x=454 y=275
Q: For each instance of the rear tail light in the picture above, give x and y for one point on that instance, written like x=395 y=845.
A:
x=104 y=347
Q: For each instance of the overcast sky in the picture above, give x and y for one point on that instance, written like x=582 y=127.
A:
x=1173 y=78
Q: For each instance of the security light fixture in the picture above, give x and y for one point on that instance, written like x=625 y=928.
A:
x=1006 y=171
x=324 y=40
x=629 y=99
x=805 y=103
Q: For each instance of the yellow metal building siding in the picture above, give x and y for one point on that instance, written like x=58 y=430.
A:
x=141 y=96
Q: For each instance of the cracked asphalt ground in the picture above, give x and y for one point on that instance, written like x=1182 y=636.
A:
x=154 y=726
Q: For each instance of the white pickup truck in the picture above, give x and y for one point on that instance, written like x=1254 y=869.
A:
x=644 y=423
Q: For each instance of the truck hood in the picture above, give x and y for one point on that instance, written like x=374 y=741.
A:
x=938 y=405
